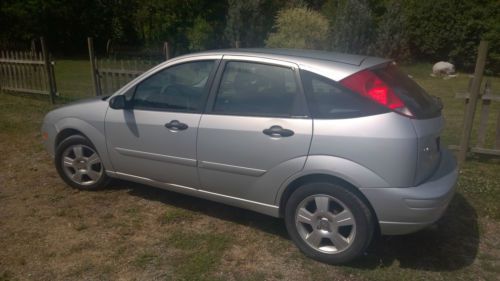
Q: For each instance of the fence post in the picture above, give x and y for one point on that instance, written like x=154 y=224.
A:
x=471 y=108
x=108 y=47
x=497 y=133
x=93 y=69
x=485 y=111
x=53 y=75
x=33 y=46
x=166 y=49
x=48 y=71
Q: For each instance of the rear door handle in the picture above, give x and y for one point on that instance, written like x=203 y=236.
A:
x=277 y=131
x=175 y=125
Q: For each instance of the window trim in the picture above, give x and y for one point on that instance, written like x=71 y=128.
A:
x=205 y=93
x=302 y=111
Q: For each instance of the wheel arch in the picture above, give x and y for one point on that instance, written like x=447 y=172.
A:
x=65 y=133
x=74 y=126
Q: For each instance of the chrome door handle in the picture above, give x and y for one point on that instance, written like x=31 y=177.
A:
x=277 y=131
x=175 y=125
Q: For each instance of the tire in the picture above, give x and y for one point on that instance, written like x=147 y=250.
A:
x=328 y=222
x=79 y=164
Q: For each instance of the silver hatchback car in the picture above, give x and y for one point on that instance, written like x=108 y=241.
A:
x=341 y=146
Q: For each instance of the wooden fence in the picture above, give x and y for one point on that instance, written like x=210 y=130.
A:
x=28 y=72
x=110 y=74
x=486 y=99
x=114 y=74
x=471 y=97
x=154 y=52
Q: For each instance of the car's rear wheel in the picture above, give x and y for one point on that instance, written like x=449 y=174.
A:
x=79 y=164
x=328 y=222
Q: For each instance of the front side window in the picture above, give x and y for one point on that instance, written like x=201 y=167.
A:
x=257 y=89
x=177 y=88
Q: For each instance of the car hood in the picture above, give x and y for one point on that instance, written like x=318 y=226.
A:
x=87 y=100
x=87 y=109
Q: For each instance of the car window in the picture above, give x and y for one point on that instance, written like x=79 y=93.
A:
x=328 y=99
x=421 y=104
x=177 y=88
x=257 y=89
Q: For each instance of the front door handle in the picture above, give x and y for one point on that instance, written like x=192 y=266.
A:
x=175 y=125
x=277 y=131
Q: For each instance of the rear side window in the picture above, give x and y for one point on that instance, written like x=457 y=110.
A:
x=257 y=89
x=328 y=99
x=416 y=99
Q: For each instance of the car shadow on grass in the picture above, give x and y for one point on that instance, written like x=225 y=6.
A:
x=450 y=244
x=217 y=210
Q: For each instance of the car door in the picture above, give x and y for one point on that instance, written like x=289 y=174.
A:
x=155 y=137
x=255 y=132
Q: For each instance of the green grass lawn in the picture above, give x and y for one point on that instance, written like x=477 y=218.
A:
x=49 y=231
x=73 y=78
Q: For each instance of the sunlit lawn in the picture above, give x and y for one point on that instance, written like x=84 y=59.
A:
x=51 y=232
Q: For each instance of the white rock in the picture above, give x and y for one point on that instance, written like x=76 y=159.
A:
x=443 y=68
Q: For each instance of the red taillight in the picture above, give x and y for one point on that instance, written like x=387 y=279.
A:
x=368 y=84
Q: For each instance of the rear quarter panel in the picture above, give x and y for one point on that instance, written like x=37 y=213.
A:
x=385 y=144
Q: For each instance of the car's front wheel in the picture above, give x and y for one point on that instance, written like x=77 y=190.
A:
x=328 y=222
x=79 y=164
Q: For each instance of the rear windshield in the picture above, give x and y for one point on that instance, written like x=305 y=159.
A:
x=421 y=104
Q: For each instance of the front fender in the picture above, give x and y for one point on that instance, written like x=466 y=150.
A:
x=95 y=136
x=344 y=169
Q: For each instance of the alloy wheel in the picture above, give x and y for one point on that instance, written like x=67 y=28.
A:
x=325 y=224
x=82 y=164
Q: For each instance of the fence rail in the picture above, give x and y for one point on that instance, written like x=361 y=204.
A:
x=114 y=74
x=27 y=72
x=110 y=74
x=486 y=98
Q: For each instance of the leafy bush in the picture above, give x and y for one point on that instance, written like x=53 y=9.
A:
x=200 y=35
x=246 y=23
x=451 y=30
x=299 y=28
x=391 y=35
x=352 y=25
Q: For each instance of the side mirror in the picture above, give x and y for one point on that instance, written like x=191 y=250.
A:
x=118 y=102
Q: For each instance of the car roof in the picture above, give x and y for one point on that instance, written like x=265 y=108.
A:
x=330 y=64
x=304 y=54
x=293 y=54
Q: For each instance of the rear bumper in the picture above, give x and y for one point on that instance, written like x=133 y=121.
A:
x=406 y=210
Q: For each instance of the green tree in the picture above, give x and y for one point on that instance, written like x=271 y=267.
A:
x=241 y=21
x=451 y=30
x=172 y=20
x=391 y=35
x=351 y=24
x=122 y=13
x=64 y=23
x=248 y=22
x=299 y=28
x=200 y=35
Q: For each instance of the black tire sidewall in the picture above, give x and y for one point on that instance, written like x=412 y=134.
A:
x=361 y=213
x=74 y=140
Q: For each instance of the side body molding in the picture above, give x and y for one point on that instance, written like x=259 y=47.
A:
x=157 y=157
